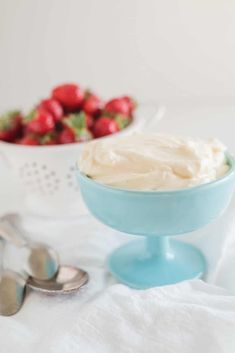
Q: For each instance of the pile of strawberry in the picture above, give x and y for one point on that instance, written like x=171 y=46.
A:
x=69 y=115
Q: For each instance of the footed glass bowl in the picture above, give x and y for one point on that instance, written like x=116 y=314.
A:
x=155 y=259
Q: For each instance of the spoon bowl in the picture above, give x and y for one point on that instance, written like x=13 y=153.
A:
x=43 y=262
x=68 y=279
x=12 y=292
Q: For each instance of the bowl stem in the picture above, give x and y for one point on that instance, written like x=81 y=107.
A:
x=158 y=246
x=156 y=261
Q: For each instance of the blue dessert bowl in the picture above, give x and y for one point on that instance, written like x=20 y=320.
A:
x=155 y=259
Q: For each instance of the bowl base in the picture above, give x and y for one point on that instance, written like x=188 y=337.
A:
x=135 y=265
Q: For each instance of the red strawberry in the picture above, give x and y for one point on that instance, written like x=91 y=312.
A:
x=75 y=129
x=66 y=136
x=10 y=125
x=92 y=104
x=29 y=140
x=118 y=106
x=39 y=122
x=105 y=126
x=69 y=95
x=53 y=107
x=123 y=105
x=131 y=102
x=89 y=121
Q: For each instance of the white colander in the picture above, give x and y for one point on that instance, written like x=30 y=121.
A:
x=47 y=173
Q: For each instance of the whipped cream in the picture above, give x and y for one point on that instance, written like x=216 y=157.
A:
x=153 y=162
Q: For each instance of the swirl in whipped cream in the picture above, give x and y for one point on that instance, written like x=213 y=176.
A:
x=153 y=162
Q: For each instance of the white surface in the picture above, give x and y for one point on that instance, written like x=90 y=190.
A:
x=105 y=317
x=176 y=50
x=188 y=317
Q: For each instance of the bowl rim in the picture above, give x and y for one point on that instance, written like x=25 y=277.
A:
x=218 y=181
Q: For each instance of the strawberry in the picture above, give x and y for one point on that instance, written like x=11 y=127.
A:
x=10 y=125
x=92 y=104
x=67 y=136
x=39 y=122
x=29 y=140
x=117 y=106
x=69 y=95
x=105 y=126
x=75 y=129
x=53 y=107
x=131 y=102
x=123 y=105
x=89 y=121
x=122 y=120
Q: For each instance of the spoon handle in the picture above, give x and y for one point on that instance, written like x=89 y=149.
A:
x=11 y=233
x=2 y=246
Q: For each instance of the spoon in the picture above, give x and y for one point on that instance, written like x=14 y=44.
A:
x=68 y=279
x=12 y=289
x=12 y=292
x=13 y=286
x=43 y=261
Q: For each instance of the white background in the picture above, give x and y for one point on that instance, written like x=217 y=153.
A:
x=174 y=51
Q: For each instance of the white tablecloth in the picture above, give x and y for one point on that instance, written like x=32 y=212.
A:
x=108 y=317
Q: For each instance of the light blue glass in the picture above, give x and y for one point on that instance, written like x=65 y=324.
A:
x=155 y=259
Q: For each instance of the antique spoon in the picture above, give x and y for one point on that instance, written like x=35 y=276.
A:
x=13 y=287
x=68 y=279
x=12 y=292
x=43 y=262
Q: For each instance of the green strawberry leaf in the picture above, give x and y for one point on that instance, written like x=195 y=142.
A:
x=76 y=121
x=47 y=138
x=7 y=119
x=83 y=135
x=29 y=116
x=122 y=121
x=108 y=114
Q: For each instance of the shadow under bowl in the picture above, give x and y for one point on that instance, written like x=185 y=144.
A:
x=156 y=215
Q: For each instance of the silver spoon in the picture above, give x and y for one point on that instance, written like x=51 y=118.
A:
x=68 y=279
x=43 y=261
x=13 y=287
x=12 y=292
